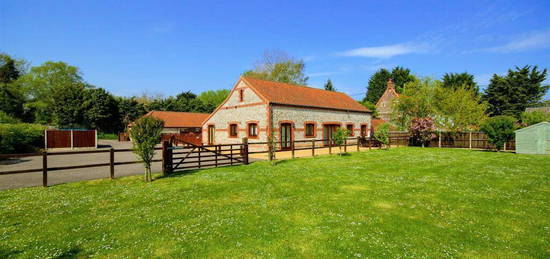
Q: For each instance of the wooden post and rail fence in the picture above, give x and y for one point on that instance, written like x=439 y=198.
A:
x=178 y=155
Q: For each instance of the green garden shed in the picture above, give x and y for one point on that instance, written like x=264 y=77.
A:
x=534 y=139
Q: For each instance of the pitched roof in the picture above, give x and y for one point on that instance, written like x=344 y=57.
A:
x=282 y=93
x=376 y=123
x=179 y=119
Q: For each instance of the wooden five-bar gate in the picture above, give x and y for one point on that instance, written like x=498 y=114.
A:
x=180 y=155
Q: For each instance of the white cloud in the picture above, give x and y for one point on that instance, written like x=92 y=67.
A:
x=387 y=51
x=534 y=40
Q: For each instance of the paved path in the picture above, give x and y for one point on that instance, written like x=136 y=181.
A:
x=74 y=175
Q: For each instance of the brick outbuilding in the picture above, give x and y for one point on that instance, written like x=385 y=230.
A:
x=257 y=108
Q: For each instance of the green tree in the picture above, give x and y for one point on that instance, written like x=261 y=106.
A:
x=452 y=109
x=382 y=134
x=339 y=137
x=417 y=101
x=534 y=117
x=460 y=80
x=458 y=110
x=145 y=134
x=7 y=119
x=11 y=69
x=371 y=107
x=512 y=93
x=100 y=110
x=377 y=85
x=67 y=105
x=379 y=81
x=499 y=130
x=279 y=67
x=11 y=100
x=43 y=82
x=329 y=86
x=213 y=98
x=129 y=109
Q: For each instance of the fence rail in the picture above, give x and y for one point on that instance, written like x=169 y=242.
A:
x=45 y=168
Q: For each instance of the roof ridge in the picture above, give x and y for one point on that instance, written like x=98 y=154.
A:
x=292 y=84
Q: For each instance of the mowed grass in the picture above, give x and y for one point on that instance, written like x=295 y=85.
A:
x=405 y=202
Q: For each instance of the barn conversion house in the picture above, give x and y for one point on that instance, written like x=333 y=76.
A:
x=256 y=108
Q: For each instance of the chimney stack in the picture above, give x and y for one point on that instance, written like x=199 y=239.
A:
x=391 y=85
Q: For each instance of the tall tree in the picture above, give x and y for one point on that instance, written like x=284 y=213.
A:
x=452 y=110
x=212 y=98
x=42 y=82
x=100 y=110
x=329 y=86
x=11 y=96
x=460 y=80
x=379 y=80
x=67 y=105
x=129 y=109
x=512 y=93
x=278 y=66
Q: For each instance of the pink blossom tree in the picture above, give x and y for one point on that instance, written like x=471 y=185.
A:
x=423 y=129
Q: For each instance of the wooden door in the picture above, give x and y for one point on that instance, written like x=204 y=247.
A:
x=211 y=137
x=286 y=136
x=328 y=131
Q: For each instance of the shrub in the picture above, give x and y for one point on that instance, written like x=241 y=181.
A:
x=145 y=134
x=5 y=118
x=499 y=130
x=422 y=129
x=382 y=134
x=339 y=137
x=21 y=137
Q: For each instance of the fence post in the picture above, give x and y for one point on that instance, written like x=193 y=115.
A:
x=292 y=148
x=345 y=145
x=439 y=142
x=112 y=162
x=358 y=143
x=199 y=156
x=370 y=142
x=245 y=151
x=231 y=154
x=45 y=168
x=329 y=147
x=164 y=157
x=218 y=150
x=470 y=140
x=313 y=148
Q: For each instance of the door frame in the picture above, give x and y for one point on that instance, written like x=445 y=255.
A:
x=331 y=125
x=291 y=125
x=211 y=135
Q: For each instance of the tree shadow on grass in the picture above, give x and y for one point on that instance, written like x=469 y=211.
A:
x=71 y=253
x=6 y=253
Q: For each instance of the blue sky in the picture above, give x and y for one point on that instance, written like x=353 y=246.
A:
x=167 y=47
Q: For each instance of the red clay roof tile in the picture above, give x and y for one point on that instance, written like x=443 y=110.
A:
x=282 y=93
x=179 y=119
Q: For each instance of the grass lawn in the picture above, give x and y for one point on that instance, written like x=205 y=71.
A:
x=405 y=202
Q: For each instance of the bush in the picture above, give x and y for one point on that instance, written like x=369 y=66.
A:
x=110 y=136
x=21 y=137
x=340 y=137
x=422 y=129
x=5 y=118
x=499 y=130
x=382 y=134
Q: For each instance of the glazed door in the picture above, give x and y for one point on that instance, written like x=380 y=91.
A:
x=328 y=131
x=286 y=136
x=211 y=131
